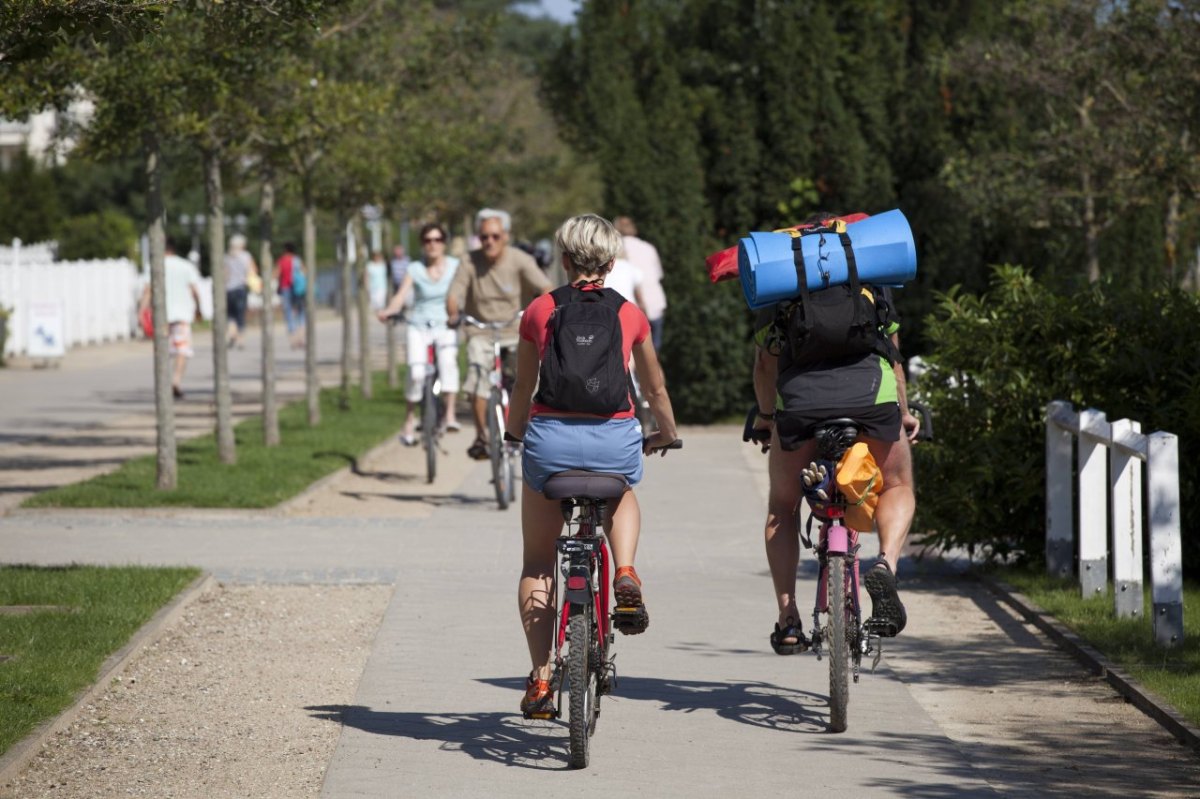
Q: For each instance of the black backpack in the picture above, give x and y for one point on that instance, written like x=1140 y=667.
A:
x=583 y=367
x=835 y=322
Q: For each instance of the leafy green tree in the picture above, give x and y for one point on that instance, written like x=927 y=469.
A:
x=1001 y=356
x=29 y=203
x=1062 y=93
x=104 y=234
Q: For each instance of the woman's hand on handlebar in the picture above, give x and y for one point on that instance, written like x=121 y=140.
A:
x=659 y=443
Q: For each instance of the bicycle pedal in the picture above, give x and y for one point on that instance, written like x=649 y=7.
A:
x=542 y=716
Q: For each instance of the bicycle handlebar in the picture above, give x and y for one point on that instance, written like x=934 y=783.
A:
x=401 y=316
x=926 y=431
x=676 y=444
x=750 y=434
x=473 y=322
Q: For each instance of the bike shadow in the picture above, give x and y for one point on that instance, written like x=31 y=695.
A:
x=755 y=703
x=505 y=738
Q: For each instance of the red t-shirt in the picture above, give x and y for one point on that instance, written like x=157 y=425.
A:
x=535 y=328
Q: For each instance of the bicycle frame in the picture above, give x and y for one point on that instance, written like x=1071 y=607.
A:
x=835 y=539
x=585 y=565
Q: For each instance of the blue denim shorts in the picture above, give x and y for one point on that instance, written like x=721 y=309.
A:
x=555 y=444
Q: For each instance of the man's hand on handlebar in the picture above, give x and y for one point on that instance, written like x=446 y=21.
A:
x=659 y=443
x=758 y=428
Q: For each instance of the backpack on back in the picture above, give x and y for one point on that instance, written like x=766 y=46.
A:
x=835 y=322
x=583 y=367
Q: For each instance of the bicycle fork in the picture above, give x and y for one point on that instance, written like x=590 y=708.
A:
x=837 y=540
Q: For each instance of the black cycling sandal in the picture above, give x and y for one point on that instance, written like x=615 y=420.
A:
x=888 y=616
x=792 y=630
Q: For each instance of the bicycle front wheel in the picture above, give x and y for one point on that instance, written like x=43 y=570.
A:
x=429 y=426
x=583 y=679
x=501 y=472
x=837 y=644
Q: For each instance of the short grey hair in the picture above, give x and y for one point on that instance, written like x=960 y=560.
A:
x=237 y=242
x=590 y=242
x=493 y=213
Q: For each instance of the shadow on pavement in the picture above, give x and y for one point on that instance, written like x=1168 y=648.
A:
x=437 y=500
x=504 y=738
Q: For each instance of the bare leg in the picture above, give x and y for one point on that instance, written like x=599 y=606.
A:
x=449 y=398
x=180 y=366
x=541 y=524
x=479 y=405
x=410 y=420
x=782 y=537
x=897 y=502
x=623 y=526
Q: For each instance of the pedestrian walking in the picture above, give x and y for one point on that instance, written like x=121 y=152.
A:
x=644 y=255
x=376 y=278
x=293 y=286
x=240 y=271
x=181 y=280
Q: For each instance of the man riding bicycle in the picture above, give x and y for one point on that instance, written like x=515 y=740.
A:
x=494 y=283
x=793 y=399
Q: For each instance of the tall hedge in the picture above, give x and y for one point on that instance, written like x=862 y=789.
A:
x=1000 y=356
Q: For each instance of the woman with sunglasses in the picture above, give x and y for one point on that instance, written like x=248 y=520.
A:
x=429 y=281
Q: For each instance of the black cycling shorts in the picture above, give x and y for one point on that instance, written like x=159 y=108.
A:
x=881 y=422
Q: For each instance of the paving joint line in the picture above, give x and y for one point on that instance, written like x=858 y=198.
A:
x=1066 y=639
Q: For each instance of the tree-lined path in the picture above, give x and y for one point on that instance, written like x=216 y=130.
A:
x=95 y=409
x=968 y=702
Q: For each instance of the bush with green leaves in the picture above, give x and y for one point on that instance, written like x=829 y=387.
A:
x=999 y=357
x=104 y=234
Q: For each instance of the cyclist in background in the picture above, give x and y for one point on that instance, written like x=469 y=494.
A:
x=792 y=400
x=429 y=280
x=557 y=439
x=493 y=284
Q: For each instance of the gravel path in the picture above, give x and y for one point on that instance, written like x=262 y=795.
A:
x=231 y=701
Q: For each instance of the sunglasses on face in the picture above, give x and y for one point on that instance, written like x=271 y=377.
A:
x=490 y=236
x=432 y=240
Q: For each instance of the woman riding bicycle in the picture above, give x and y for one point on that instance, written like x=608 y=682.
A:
x=793 y=399
x=557 y=439
x=429 y=280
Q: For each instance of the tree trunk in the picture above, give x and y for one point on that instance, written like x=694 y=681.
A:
x=346 y=304
x=312 y=388
x=393 y=376
x=1091 y=230
x=266 y=215
x=226 y=447
x=164 y=403
x=364 y=310
x=1171 y=234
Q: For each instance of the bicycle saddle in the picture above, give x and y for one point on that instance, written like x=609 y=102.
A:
x=579 y=483
x=834 y=436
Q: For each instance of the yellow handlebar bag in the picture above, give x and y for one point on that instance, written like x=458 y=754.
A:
x=860 y=480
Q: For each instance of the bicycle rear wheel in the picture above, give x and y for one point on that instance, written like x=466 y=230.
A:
x=429 y=427
x=837 y=644
x=501 y=471
x=583 y=677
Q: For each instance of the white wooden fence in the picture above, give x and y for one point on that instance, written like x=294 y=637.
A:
x=98 y=299
x=1110 y=458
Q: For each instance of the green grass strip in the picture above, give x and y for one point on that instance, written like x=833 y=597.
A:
x=1173 y=674
x=263 y=476
x=57 y=653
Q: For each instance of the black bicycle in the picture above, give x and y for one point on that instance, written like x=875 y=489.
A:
x=433 y=407
x=585 y=622
x=503 y=454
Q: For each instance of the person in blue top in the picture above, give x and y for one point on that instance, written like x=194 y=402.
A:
x=429 y=281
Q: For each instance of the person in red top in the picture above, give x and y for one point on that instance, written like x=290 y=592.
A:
x=287 y=267
x=558 y=439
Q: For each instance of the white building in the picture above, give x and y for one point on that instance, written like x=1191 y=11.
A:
x=46 y=137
